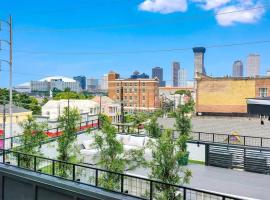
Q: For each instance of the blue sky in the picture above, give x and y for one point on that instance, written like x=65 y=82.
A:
x=124 y=25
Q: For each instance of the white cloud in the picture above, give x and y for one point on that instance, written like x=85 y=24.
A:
x=232 y=15
x=164 y=6
x=246 y=14
x=211 y=4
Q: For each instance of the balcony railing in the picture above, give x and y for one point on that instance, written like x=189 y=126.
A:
x=142 y=188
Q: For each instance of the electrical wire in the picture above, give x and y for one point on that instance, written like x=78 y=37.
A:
x=139 y=51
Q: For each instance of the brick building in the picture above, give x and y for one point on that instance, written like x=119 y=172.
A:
x=228 y=95
x=138 y=94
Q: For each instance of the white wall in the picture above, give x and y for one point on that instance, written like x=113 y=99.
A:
x=196 y=152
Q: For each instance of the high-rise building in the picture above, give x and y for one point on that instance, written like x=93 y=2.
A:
x=253 y=65
x=175 y=71
x=157 y=72
x=238 y=69
x=137 y=74
x=92 y=85
x=81 y=80
x=138 y=94
x=182 y=82
x=104 y=83
x=199 y=61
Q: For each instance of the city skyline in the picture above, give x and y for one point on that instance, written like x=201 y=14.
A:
x=52 y=45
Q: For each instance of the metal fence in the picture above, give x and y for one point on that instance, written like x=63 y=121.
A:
x=248 y=158
x=52 y=134
x=203 y=137
x=129 y=185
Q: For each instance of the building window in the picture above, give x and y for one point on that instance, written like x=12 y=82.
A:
x=263 y=92
x=125 y=90
x=143 y=90
x=143 y=98
x=130 y=90
x=130 y=84
x=117 y=91
x=135 y=89
x=118 y=84
x=143 y=84
x=130 y=97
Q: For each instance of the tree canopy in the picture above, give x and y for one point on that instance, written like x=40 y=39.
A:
x=21 y=100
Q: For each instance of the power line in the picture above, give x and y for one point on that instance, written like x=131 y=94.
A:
x=140 y=51
x=134 y=25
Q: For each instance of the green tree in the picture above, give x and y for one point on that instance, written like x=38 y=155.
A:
x=66 y=150
x=153 y=128
x=67 y=94
x=165 y=168
x=22 y=100
x=33 y=135
x=112 y=155
x=183 y=121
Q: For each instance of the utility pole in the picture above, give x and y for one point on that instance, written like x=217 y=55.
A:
x=4 y=123
x=9 y=62
x=10 y=74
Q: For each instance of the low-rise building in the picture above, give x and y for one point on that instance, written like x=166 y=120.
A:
x=18 y=116
x=228 y=95
x=136 y=94
x=53 y=109
x=109 y=107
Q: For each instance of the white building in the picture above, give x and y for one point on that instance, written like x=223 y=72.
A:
x=53 y=109
x=92 y=85
x=55 y=82
x=109 y=107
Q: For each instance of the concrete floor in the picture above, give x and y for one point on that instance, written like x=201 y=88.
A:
x=227 y=181
x=225 y=125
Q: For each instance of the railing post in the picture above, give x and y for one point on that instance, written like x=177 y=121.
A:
x=11 y=142
x=185 y=194
x=122 y=183
x=80 y=125
x=96 y=183
x=19 y=160
x=206 y=154
x=73 y=172
x=151 y=189
x=128 y=129
x=261 y=141
x=53 y=168
x=93 y=124
x=213 y=137
x=244 y=140
x=199 y=136
x=35 y=163
x=4 y=156
x=228 y=139
x=118 y=128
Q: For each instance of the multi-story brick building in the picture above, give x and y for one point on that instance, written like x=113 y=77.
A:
x=228 y=95
x=138 y=94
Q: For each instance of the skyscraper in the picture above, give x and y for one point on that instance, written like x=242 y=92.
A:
x=199 y=61
x=157 y=72
x=81 y=80
x=92 y=85
x=237 y=68
x=182 y=82
x=175 y=71
x=253 y=65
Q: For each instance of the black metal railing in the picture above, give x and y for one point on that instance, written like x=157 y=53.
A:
x=203 y=137
x=129 y=185
x=52 y=133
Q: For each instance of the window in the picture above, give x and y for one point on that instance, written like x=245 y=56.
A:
x=125 y=90
x=130 y=90
x=263 y=92
x=117 y=91
x=130 y=84
x=143 y=98
x=143 y=90
x=135 y=89
x=143 y=84
x=130 y=97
